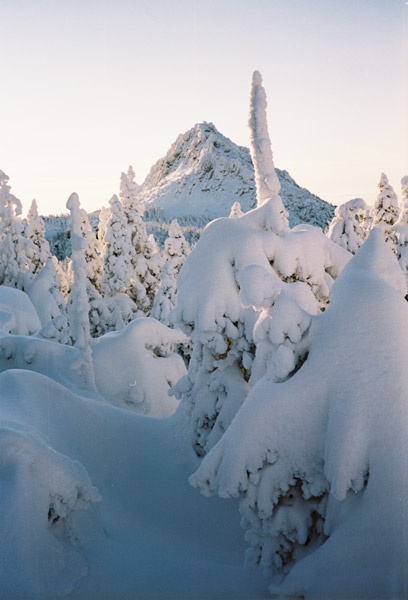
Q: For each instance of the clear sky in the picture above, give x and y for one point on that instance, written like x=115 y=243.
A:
x=92 y=86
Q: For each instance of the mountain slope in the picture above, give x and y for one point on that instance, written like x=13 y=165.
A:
x=204 y=173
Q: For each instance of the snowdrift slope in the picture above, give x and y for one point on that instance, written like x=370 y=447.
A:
x=95 y=503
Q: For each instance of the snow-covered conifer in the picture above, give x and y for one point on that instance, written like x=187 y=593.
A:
x=117 y=269
x=386 y=210
x=129 y=194
x=35 y=231
x=48 y=300
x=311 y=458
x=401 y=229
x=345 y=228
x=145 y=255
x=78 y=307
x=176 y=249
x=236 y=211
x=233 y=277
x=16 y=250
x=93 y=252
x=266 y=179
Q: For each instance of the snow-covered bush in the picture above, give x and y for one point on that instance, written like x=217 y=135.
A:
x=311 y=458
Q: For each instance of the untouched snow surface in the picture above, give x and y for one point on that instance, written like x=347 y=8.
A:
x=95 y=500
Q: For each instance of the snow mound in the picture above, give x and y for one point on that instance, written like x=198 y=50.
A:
x=149 y=536
x=135 y=367
x=17 y=313
x=41 y=490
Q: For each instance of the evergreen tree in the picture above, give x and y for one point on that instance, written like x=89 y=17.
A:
x=93 y=252
x=35 y=231
x=117 y=267
x=16 y=267
x=129 y=194
x=386 y=211
x=345 y=228
x=236 y=211
x=48 y=300
x=401 y=229
x=78 y=307
x=175 y=252
x=146 y=259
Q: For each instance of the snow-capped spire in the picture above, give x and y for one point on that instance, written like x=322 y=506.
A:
x=267 y=182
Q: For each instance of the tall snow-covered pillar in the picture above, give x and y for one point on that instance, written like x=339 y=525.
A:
x=266 y=179
x=79 y=312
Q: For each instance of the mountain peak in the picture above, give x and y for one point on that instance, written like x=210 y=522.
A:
x=204 y=173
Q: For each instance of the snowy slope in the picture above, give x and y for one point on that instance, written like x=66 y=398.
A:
x=204 y=173
x=95 y=500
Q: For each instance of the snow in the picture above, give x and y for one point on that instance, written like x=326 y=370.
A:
x=274 y=382
x=135 y=367
x=133 y=529
x=266 y=180
x=17 y=313
x=324 y=446
x=204 y=173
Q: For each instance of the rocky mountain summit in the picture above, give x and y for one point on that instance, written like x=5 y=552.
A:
x=204 y=173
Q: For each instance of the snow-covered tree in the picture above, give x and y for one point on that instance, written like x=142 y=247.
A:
x=266 y=179
x=35 y=231
x=129 y=194
x=310 y=458
x=48 y=300
x=78 y=307
x=401 y=229
x=236 y=211
x=345 y=229
x=117 y=268
x=385 y=211
x=233 y=276
x=93 y=252
x=175 y=251
x=16 y=267
x=145 y=258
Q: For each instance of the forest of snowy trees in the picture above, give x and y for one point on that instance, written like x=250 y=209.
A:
x=277 y=350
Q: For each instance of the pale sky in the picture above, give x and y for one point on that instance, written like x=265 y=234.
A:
x=90 y=87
